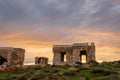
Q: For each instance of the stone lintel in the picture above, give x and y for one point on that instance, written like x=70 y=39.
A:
x=80 y=44
x=61 y=46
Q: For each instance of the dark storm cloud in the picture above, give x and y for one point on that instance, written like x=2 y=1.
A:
x=51 y=12
x=107 y=15
x=47 y=22
x=97 y=13
x=21 y=15
x=47 y=16
x=10 y=10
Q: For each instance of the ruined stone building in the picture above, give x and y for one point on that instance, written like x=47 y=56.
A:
x=11 y=56
x=70 y=54
x=41 y=60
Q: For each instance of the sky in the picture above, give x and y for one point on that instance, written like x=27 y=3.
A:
x=37 y=25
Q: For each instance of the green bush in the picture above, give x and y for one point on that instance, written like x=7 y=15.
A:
x=70 y=73
x=37 y=67
x=93 y=63
x=54 y=76
x=67 y=65
x=22 y=78
x=78 y=63
x=103 y=71
x=39 y=76
x=55 y=71
x=110 y=77
x=83 y=78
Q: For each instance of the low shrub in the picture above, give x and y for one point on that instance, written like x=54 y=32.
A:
x=37 y=67
x=110 y=77
x=46 y=70
x=70 y=73
x=54 y=71
x=55 y=76
x=93 y=63
x=78 y=63
x=40 y=76
x=103 y=71
x=83 y=78
x=22 y=78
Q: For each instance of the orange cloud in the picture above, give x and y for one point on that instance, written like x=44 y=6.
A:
x=39 y=43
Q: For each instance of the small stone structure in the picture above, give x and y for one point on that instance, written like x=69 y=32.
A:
x=11 y=56
x=70 y=54
x=41 y=60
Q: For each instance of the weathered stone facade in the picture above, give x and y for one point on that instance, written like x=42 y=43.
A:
x=41 y=60
x=73 y=53
x=11 y=56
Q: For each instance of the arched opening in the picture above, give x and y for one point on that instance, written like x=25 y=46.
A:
x=83 y=56
x=63 y=56
x=2 y=60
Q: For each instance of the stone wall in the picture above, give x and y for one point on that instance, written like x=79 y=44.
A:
x=12 y=56
x=41 y=60
x=58 y=50
x=73 y=53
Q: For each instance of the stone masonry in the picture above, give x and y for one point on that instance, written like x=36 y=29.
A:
x=70 y=54
x=11 y=56
x=41 y=60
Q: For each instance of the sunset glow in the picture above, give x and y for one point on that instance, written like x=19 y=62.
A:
x=37 y=25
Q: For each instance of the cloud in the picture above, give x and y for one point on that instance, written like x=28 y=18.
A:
x=106 y=15
x=64 y=12
x=36 y=24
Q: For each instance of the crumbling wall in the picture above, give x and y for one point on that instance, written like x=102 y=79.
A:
x=73 y=53
x=41 y=60
x=62 y=54
x=12 y=56
x=89 y=52
x=18 y=56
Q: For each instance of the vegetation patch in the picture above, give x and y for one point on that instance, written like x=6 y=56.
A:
x=103 y=71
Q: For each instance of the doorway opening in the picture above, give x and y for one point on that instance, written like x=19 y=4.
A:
x=63 y=56
x=39 y=60
x=83 y=56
